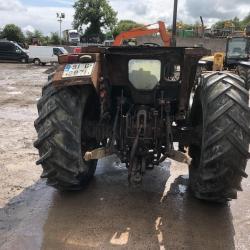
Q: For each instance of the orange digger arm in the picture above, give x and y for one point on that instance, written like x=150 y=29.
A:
x=142 y=31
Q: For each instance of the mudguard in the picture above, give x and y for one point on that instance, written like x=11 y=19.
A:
x=78 y=72
x=245 y=63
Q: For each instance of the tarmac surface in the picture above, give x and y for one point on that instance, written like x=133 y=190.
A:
x=108 y=214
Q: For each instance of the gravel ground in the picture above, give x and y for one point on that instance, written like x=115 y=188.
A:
x=108 y=214
x=20 y=87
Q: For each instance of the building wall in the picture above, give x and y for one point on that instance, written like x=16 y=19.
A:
x=215 y=44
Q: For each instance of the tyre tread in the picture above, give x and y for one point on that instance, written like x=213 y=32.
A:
x=59 y=143
x=226 y=136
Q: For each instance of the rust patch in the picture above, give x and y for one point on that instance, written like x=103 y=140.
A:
x=59 y=81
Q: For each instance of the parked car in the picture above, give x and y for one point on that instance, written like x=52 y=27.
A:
x=11 y=51
x=45 y=54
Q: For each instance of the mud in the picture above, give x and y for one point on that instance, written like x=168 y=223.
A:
x=108 y=214
x=20 y=87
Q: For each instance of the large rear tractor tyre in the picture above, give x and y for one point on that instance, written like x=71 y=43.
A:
x=62 y=140
x=244 y=73
x=221 y=114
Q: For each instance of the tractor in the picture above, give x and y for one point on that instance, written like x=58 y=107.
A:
x=137 y=102
x=236 y=57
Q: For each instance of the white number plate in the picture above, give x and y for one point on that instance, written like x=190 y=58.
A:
x=78 y=69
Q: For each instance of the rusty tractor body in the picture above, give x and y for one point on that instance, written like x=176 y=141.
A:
x=136 y=102
x=141 y=103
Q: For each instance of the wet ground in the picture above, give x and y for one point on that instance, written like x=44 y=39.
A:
x=108 y=214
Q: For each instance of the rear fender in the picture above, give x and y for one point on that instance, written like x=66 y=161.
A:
x=245 y=63
x=78 y=73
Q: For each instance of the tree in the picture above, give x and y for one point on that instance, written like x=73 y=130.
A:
x=97 y=14
x=37 y=35
x=246 y=21
x=185 y=26
x=28 y=36
x=219 y=25
x=125 y=25
x=237 y=24
x=13 y=33
x=54 y=38
x=108 y=35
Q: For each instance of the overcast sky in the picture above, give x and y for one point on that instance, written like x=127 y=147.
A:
x=41 y=14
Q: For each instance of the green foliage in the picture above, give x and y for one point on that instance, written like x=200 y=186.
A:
x=28 y=36
x=96 y=14
x=219 y=25
x=38 y=35
x=108 y=35
x=13 y=33
x=54 y=38
x=246 y=21
x=125 y=25
x=238 y=24
x=185 y=26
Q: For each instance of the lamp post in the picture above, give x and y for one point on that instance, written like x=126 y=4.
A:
x=60 y=16
x=174 y=23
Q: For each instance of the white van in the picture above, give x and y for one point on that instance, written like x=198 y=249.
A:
x=45 y=54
